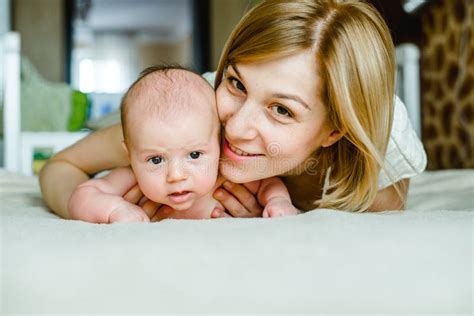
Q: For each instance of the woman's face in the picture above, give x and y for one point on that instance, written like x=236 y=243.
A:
x=272 y=116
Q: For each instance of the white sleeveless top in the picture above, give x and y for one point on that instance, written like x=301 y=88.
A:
x=405 y=156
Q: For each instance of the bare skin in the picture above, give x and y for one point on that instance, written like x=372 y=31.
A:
x=176 y=165
x=74 y=165
x=102 y=150
x=388 y=198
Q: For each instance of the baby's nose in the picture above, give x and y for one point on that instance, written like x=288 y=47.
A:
x=176 y=172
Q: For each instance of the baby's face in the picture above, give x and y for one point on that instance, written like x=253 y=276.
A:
x=176 y=161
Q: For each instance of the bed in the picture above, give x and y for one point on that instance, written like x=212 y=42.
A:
x=413 y=261
x=326 y=261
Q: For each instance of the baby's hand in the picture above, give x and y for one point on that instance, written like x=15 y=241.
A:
x=279 y=207
x=128 y=212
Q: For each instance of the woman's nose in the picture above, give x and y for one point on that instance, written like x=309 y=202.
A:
x=242 y=123
x=176 y=172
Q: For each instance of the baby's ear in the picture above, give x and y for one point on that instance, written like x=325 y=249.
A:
x=125 y=148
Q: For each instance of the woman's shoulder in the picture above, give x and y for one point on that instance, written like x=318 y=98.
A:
x=405 y=156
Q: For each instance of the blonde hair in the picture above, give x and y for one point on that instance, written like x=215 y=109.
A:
x=356 y=65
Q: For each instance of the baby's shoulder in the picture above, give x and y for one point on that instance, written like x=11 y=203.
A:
x=125 y=171
x=122 y=174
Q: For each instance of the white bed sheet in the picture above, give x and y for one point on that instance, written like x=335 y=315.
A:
x=416 y=261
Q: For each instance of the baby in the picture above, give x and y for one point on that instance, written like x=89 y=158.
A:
x=171 y=137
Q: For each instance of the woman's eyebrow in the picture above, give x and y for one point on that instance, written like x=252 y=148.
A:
x=278 y=95
x=292 y=97
x=234 y=67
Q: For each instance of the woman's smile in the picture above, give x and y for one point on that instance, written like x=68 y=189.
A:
x=266 y=133
x=234 y=153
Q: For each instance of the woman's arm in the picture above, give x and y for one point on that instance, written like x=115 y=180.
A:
x=74 y=165
x=388 y=198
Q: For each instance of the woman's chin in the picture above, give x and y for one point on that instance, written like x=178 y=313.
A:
x=237 y=175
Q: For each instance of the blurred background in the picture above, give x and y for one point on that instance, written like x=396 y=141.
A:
x=79 y=56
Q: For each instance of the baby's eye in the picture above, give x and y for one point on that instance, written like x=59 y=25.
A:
x=195 y=154
x=281 y=110
x=155 y=160
x=237 y=84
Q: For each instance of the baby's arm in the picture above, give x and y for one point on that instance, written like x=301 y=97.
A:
x=100 y=200
x=273 y=194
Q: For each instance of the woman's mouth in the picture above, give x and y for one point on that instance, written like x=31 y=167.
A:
x=235 y=153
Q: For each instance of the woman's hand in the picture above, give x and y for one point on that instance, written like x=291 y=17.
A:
x=238 y=200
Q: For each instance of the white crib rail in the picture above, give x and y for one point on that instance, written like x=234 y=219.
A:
x=11 y=107
x=19 y=146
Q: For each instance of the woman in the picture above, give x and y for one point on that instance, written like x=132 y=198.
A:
x=305 y=90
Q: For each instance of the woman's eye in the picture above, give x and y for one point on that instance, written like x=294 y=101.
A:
x=195 y=154
x=237 y=84
x=280 y=110
x=155 y=160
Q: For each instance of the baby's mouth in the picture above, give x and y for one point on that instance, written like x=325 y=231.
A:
x=179 y=193
x=180 y=196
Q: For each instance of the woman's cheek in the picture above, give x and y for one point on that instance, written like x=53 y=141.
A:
x=225 y=103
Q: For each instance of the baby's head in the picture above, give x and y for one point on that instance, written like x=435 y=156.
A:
x=171 y=134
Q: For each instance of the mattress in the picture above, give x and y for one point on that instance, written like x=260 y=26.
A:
x=413 y=261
